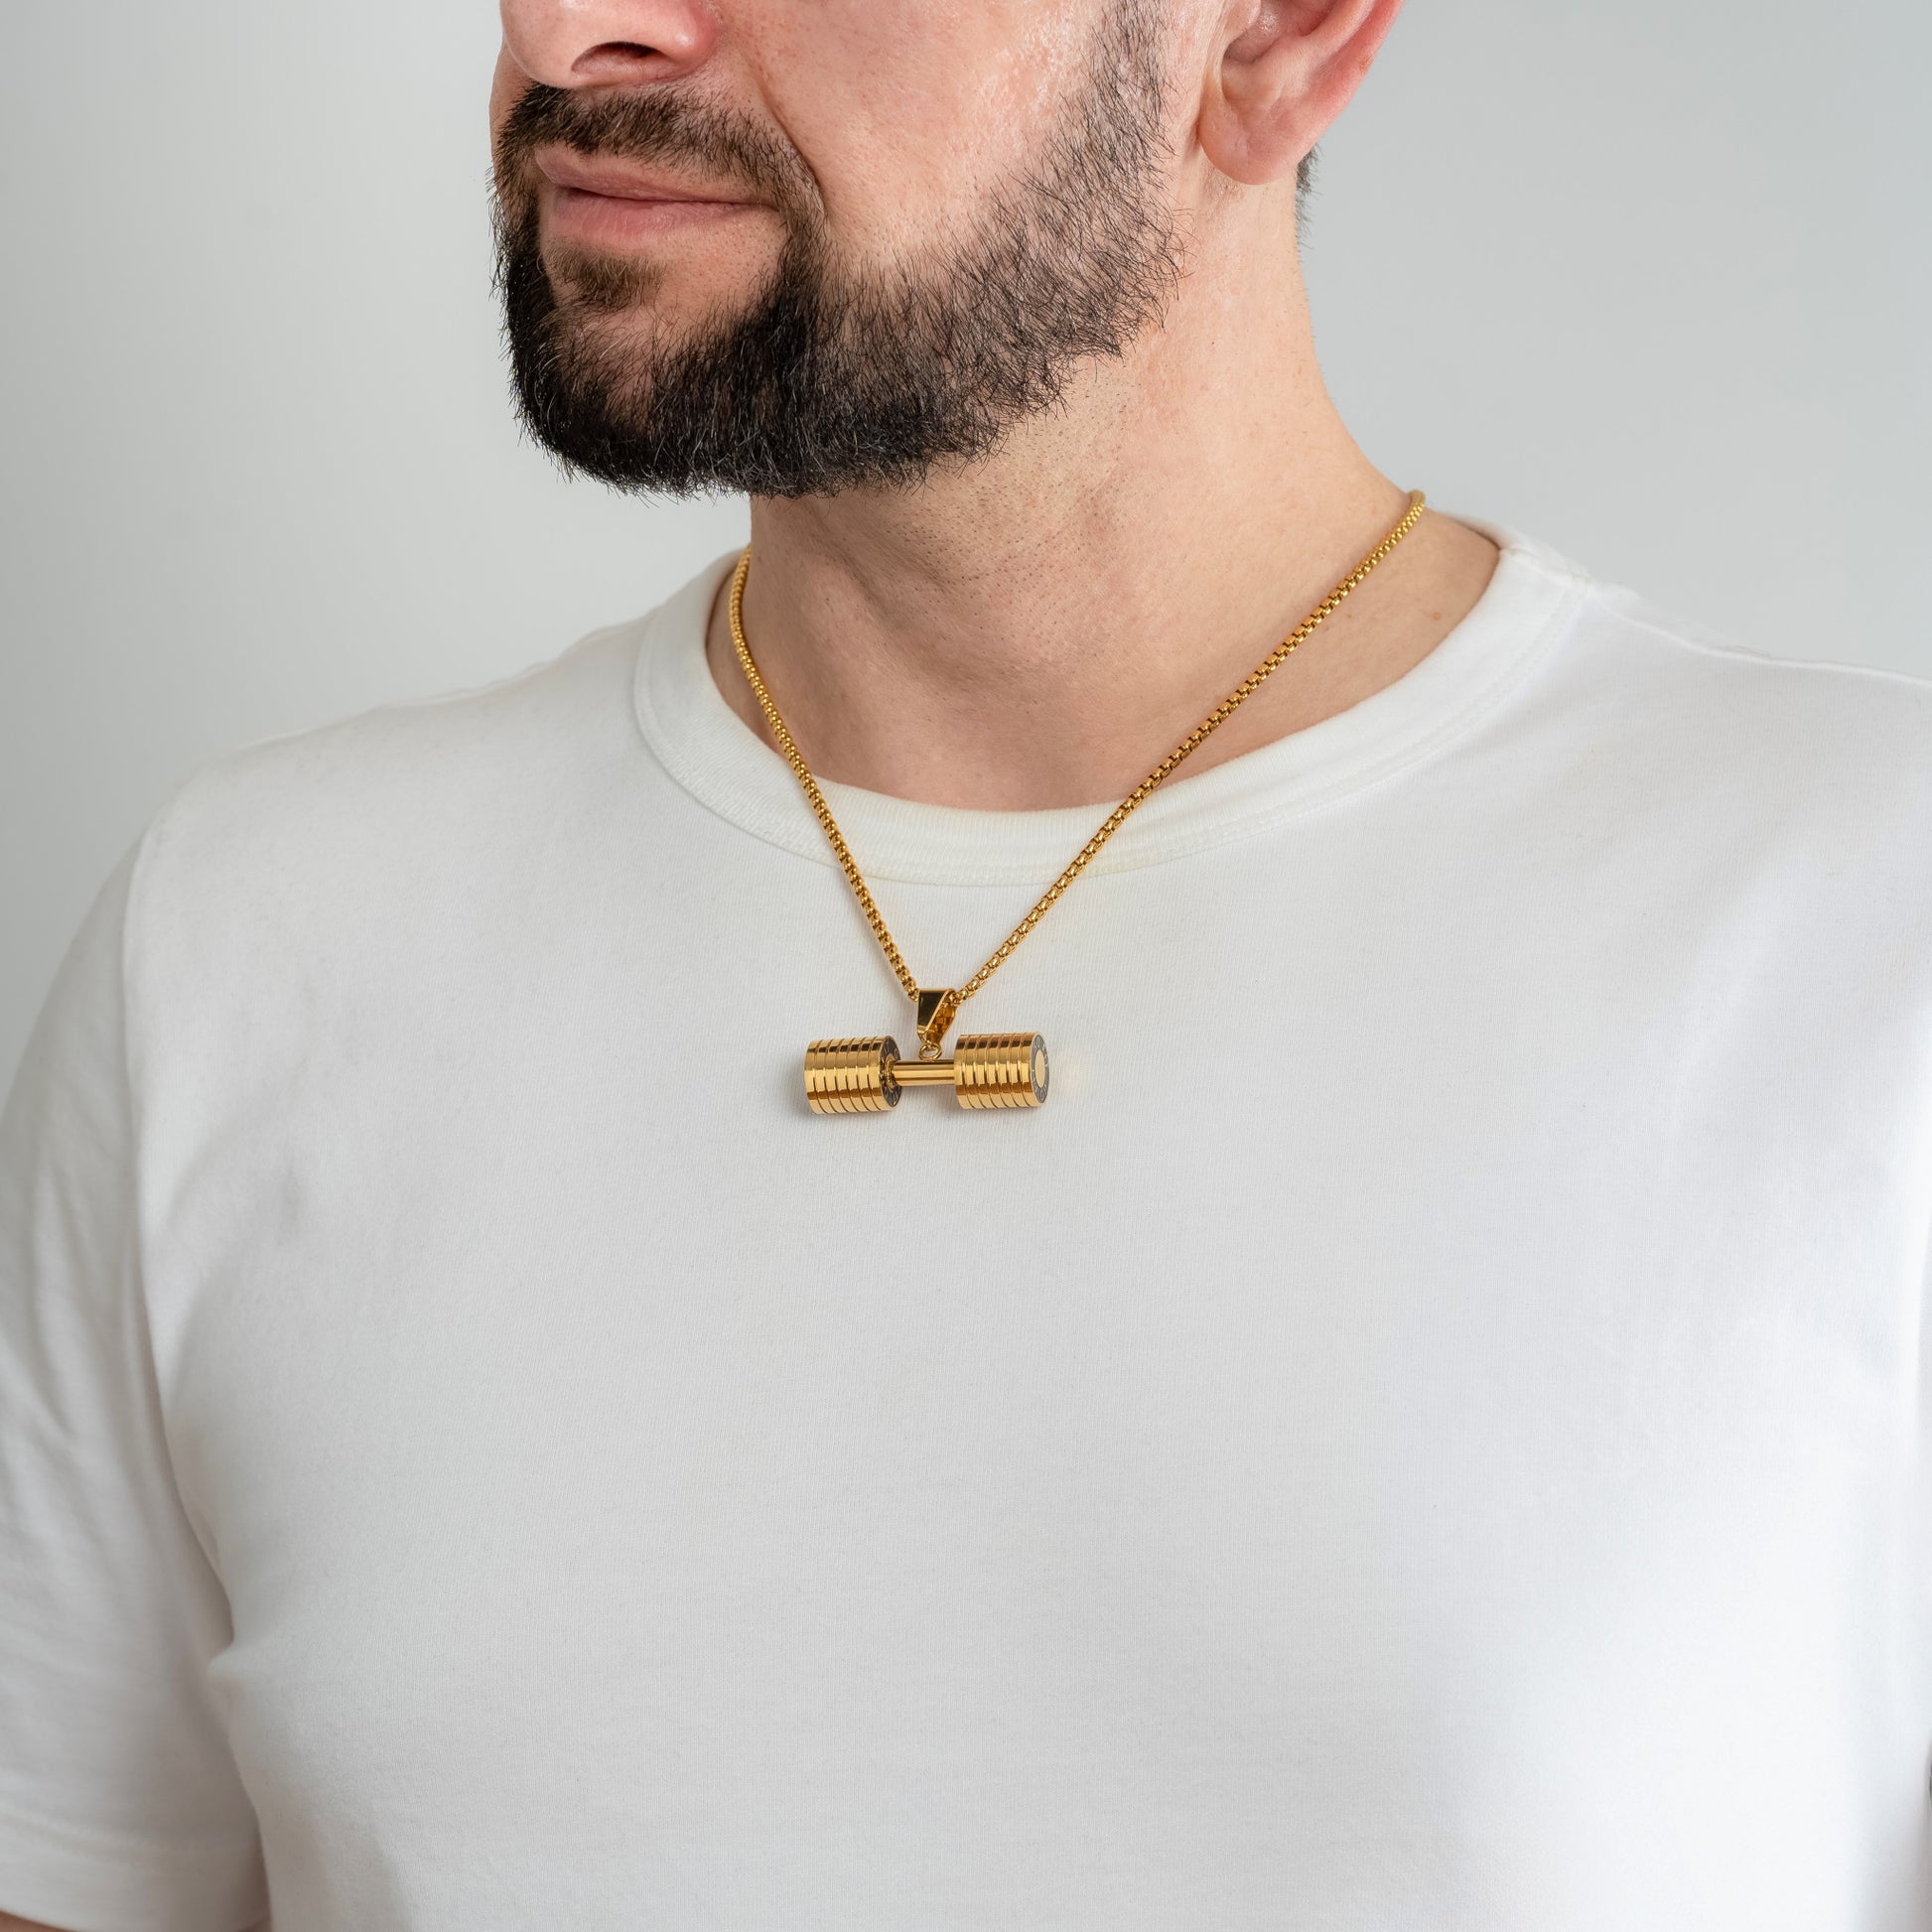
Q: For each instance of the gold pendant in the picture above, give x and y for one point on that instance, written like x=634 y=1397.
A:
x=867 y=1076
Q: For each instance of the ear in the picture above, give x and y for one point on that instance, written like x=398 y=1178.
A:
x=1282 y=71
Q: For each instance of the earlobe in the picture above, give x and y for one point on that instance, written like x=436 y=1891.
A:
x=1285 y=68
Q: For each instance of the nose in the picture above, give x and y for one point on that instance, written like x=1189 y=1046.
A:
x=608 y=43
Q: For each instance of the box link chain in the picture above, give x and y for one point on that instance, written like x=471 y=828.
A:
x=933 y=1033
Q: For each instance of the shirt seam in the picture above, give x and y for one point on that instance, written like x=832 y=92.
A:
x=1636 y=610
x=153 y=837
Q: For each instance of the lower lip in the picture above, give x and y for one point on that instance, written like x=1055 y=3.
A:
x=614 y=221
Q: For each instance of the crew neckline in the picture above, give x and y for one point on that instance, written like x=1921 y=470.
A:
x=707 y=750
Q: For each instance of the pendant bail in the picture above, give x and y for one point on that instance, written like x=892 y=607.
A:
x=936 y=1007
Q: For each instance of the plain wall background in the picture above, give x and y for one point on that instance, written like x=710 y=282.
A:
x=1646 y=279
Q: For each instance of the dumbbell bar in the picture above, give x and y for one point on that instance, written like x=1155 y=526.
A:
x=867 y=1076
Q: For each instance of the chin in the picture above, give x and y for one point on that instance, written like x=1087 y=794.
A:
x=677 y=290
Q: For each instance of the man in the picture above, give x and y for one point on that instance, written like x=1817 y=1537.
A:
x=1415 y=1422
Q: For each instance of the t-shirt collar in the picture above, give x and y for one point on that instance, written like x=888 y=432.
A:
x=711 y=751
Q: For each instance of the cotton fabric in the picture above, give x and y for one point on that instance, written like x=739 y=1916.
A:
x=1425 y=1428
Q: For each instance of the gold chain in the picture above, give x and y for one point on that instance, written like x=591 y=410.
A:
x=930 y=1042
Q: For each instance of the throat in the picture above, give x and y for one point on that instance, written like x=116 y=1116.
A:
x=1077 y=695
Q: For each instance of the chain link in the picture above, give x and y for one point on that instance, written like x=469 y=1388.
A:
x=930 y=1045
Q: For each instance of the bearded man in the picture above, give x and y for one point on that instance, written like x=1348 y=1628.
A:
x=571 y=1361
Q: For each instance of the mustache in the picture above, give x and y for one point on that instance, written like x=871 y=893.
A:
x=653 y=125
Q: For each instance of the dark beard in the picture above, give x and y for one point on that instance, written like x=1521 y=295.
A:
x=828 y=381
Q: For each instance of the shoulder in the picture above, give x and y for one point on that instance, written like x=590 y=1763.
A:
x=1827 y=699
x=405 y=799
x=471 y=775
x=1669 y=710
x=324 y=856
x=407 y=772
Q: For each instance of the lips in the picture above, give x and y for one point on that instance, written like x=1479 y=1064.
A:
x=624 y=181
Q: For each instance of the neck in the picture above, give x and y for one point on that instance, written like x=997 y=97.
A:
x=1040 y=628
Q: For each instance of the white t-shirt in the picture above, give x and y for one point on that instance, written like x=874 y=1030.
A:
x=1424 y=1429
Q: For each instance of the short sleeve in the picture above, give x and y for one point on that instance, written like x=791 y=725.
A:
x=120 y=1807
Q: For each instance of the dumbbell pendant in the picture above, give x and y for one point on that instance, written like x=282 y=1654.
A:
x=867 y=1076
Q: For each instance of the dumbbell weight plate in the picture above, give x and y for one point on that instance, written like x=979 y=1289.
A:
x=999 y=1070
x=851 y=1076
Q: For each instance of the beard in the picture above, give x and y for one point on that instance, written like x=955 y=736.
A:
x=834 y=376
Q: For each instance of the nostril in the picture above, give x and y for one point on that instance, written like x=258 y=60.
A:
x=624 y=60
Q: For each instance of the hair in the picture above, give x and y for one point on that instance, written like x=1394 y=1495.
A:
x=837 y=375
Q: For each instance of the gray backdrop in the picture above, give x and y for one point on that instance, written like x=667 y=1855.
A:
x=1646 y=279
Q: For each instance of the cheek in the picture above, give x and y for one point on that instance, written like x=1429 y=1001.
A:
x=506 y=86
x=908 y=112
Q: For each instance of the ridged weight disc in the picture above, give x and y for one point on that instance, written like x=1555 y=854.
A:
x=999 y=1070
x=851 y=1076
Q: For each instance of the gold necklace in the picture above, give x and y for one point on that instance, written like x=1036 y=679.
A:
x=867 y=1076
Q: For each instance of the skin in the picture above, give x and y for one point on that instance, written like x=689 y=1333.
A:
x=1037 y=629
